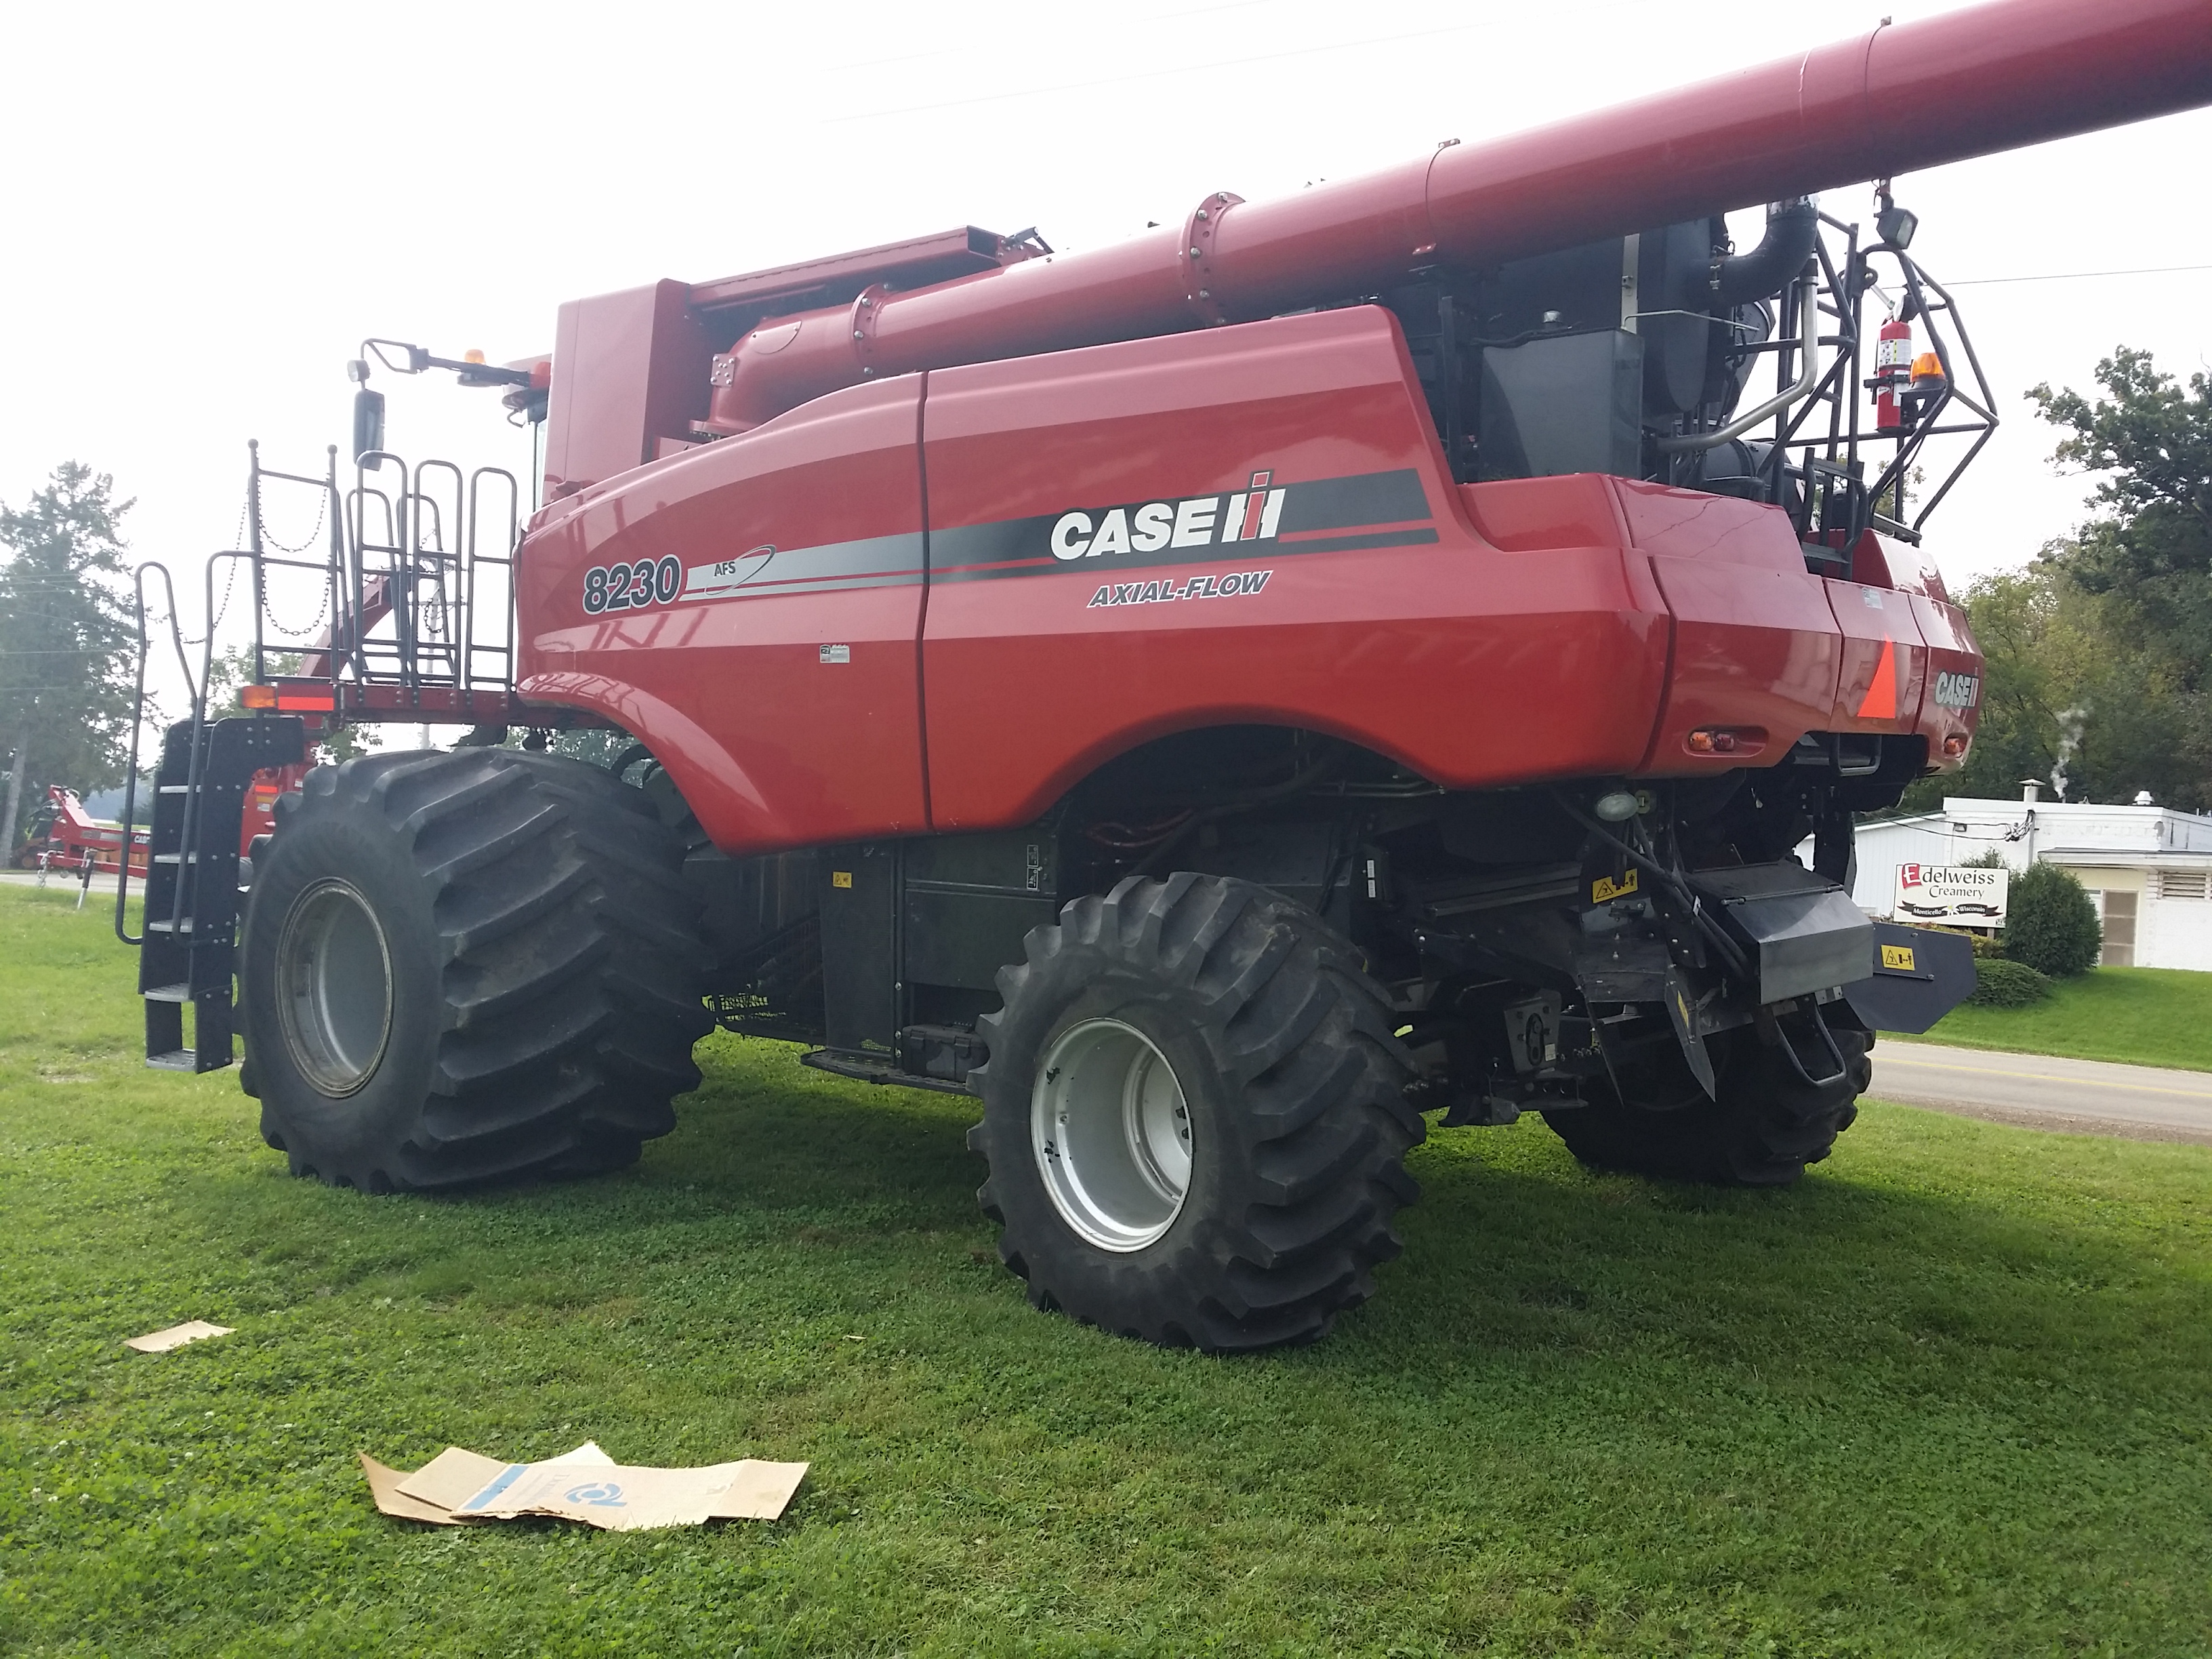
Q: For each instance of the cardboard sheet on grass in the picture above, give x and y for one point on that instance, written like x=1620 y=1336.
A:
x=459 y=1487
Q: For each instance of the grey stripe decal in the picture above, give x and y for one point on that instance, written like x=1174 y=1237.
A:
x=1022 y=547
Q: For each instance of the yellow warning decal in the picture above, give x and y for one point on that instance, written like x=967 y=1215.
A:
x=844 y=879
x=1898 y=956
x=1605 y=887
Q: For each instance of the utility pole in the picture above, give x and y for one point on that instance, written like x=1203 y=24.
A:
x=15 y=790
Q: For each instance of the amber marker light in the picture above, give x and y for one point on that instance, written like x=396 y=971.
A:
x=473 y=354
x=1725 y=740
x=259 y=697
x=1954 y=747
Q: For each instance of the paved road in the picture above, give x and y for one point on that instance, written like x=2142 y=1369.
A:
x=2085 y=1097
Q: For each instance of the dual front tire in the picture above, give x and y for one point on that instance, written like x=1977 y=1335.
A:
x=468 y=967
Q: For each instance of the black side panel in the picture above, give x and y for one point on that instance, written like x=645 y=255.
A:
x=1310 y=863
x=970 y=899
x=858 y=890
x=1570 y=403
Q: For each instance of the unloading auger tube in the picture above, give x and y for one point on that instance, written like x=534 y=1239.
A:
x=1902 y=97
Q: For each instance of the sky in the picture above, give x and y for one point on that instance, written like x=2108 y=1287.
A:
x=203 y=209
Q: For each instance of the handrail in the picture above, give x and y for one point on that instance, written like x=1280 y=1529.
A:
x=1808 y=378
x=138 y=712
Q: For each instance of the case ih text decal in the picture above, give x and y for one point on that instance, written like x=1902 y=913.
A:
x=1193 y=522
x=1958 y=690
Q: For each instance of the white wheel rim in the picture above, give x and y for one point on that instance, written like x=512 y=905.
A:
x=1111 y=1128
x=334 y=988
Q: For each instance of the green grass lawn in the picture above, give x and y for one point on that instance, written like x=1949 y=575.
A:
x=2141 y=1016
x=1952 y=1396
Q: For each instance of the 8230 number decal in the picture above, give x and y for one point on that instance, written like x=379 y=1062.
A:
x=632 y=587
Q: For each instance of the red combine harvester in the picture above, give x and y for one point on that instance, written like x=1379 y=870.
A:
x=1215 y=698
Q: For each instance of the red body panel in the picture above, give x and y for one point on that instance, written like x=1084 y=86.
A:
x=1424 y=651
x=772 y=743
x=1480 y=635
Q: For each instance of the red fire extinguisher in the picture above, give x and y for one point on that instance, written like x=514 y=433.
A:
x=1893 y=374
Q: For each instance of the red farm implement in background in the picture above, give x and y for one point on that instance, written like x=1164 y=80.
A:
x=64 y=836
x=1216 y=699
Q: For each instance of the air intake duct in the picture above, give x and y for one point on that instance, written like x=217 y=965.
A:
x=1792 y=228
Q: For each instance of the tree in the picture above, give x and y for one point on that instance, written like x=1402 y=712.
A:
x=2099 y=654
x=2155 y=442
x=68 y=642
x=2148 y=560
x=2051 y=922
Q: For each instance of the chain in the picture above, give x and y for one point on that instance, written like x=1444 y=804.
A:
x=276 y=627
x=321 y=511
x=229 y=581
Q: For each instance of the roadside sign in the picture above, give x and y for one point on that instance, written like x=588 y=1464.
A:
x=1973 y=896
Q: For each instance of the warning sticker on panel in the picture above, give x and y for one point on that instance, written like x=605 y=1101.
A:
x=1606 y=888
x=1237 y=584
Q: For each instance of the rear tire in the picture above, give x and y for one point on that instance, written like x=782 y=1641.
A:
x=1246 y=1123
x=1766 y=1125
x=468 y=967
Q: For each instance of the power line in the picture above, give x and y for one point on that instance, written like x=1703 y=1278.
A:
x=2076 y=276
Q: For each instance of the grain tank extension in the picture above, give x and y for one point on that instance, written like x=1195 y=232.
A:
x=1415 y=649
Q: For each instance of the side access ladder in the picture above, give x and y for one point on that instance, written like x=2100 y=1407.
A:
x=185 y=952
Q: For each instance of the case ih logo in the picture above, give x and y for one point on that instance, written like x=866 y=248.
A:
x=1958 y=690
x=1200 y=521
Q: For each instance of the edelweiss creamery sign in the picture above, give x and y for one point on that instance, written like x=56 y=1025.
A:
x=1971 y=895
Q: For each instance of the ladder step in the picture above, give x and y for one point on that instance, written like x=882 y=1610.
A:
x=180 y=992
x=176 y=788
x=176 y=858
x=183 y=926
x=177 y=1059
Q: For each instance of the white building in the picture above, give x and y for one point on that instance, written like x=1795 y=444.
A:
x=2148 y=868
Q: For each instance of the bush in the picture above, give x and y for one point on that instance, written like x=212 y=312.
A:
x=2001 y=984
x=2051 y=923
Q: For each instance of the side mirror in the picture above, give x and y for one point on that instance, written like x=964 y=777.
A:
x=367 y=424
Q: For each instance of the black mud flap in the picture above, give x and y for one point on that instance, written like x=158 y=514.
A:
x=1919 y=975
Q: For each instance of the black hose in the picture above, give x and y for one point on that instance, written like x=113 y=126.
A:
x=1683 y=897
x=1244 y=802
x=1792 y=228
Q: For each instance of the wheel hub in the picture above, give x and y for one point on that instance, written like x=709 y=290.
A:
x=1111 y=1132
x=334 y=988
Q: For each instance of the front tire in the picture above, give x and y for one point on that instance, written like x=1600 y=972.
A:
x=467 y=967
x=1765 y=1126
x=1194 y=1117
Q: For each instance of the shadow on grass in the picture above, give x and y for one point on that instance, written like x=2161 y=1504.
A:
x=1515 y=1255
